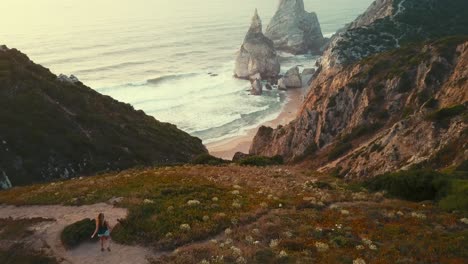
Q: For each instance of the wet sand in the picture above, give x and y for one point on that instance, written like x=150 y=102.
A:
x=226 y=148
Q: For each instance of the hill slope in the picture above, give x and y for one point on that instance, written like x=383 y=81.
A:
x=53 y=127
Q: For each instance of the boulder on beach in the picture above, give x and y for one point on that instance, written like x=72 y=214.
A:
x=294 y=30
x=257 y=55
x=292 y=79
x=257 y=87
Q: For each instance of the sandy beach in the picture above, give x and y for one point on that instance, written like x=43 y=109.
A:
x=226 y=148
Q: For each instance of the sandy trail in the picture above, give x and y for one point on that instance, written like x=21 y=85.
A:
x=49 y=232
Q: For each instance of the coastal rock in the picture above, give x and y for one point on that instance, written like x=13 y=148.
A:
x=257 y=87
x=292 y=79
x=295 y=30
x=363 y=121
x=268 y=86
x=282 y=85
x=257 y=55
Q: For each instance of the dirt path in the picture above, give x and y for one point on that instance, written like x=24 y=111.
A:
x=49 y=232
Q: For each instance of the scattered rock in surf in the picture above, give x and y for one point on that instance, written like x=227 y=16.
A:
x=268 y=87
x=257 y=87
x=292 y=79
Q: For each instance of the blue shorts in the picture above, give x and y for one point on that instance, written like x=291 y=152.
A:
x=106 y=234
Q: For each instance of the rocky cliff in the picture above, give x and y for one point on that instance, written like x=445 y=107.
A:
x=389 y=24
x=295 y=30
x=390 y=92
x=257 y=55
x=54 y=127
x=397 y=109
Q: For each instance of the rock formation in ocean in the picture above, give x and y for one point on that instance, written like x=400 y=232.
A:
x=372 y=108
x=295 y=30
x=55 y=127
x=257 y=87
x=257 y=54
x=292 y=79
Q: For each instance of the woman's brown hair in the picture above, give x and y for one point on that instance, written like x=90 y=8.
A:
x=100 y=219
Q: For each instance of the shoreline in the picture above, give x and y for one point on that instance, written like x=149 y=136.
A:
x=226 y=148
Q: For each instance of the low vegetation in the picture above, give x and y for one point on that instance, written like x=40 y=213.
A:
x=261 y=161
x=77 y=233
x=207 y=159
x=446 y=113
x=275 y=214
x=420 y=185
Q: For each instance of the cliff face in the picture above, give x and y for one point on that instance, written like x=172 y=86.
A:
x=390 y=111
x=54 y=127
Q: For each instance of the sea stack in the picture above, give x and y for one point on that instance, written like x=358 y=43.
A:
x=294 y=30
x=257 y=55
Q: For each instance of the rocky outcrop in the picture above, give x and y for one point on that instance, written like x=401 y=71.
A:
x=257 y=54
x=389 y=24
x=257 y=87
x=292 y=79
x=58 y=128
x=294 y=30
x=391 y=111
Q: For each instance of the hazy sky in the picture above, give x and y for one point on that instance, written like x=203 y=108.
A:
x=21 y=14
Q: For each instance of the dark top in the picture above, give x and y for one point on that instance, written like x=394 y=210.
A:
x=102 y=228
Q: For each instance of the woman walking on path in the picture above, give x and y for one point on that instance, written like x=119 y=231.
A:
x=103 y=230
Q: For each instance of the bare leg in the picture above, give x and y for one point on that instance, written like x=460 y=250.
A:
x=102 y=243
x=108 y=239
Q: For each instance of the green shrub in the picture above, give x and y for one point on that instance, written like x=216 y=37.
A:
x=261 y=161
x=207 y=159
x=446 y=113
x=264 y=256
x=77 y=233
x=413 y=185
x=360 y=131
x=457 y=197
x=339 y=149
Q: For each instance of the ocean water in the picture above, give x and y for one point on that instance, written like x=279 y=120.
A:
x=172 y=59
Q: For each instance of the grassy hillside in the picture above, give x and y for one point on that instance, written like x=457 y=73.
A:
x=238 y=214
x=51 y=128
